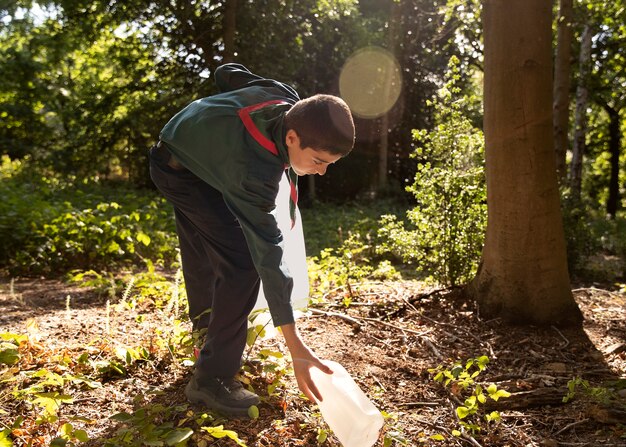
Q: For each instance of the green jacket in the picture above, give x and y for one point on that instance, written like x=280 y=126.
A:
x=235 y=141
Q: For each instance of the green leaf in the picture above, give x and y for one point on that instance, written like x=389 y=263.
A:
x=9 y=356
x=219 y=432
x=178 y=435
x=456 y=371
x=51 y=402
x=462 y=412
x=81 y=435
x=482 y=361
x=322 y=436
x=58 y=442
x=67 y=429
x=270 y=353
x=143 y=238
x=10 y=336
x=80 y=379
x=438 y=437
x=499 y=394
x=493 y=416
x=4 y=439
x=253 y=412
x=122 y=417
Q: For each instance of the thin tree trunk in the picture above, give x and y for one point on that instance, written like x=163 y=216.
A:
x=580 y=123
x=523 y=276
x=383 y=153
x=229 y=28
x=383 y=150
x=612 y=204
x=311 y=193
x=562 y=71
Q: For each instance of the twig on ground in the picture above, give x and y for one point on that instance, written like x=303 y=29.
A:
x=471 y=439
x=432 y=425
x=466 y=436
x=460 y=329
x=334 y=290
x=410 y=304
x=382 y=387
x=563 y=337
x=403 y=329
x=336 y=314
x=393 y=348
x=568 y=426
x=354 y=320
x=353 y=303
x=436 y=427
x=585 y=444
x=418 y=404
x=433 y=292
x=432 y=347
x=595 y=289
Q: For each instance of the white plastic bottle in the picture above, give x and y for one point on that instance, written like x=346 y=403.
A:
x=346 y=409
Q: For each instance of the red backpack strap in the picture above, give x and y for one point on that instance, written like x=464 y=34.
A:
x=258 y=136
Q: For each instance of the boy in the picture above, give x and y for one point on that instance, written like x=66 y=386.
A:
x=219 y=162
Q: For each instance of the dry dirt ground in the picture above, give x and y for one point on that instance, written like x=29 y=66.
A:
x=388 y=338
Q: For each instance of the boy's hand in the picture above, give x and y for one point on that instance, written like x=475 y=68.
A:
x=303 y=360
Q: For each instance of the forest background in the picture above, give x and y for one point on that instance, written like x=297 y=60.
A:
x=86 y=86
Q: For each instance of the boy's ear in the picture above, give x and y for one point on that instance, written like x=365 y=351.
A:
x=292 y=138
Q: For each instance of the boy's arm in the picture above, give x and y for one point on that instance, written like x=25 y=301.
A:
x=303 y=360
x=229 y=77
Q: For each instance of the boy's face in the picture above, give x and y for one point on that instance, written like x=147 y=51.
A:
x=306 y=160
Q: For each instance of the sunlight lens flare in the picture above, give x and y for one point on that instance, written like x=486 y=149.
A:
x=370 y=82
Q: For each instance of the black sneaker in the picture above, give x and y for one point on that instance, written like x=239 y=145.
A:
x=227 y=396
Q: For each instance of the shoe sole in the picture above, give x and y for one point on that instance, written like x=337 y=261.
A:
x=213 y=405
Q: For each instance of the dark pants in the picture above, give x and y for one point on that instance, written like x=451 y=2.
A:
x=221 y=281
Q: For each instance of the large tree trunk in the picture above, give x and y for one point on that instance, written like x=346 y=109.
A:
x=580 y=120
x=229 y=25
x=523 y=276
x=615 y=146
x=562 y=70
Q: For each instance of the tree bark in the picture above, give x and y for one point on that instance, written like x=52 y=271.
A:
x=523 y=276
x=562 y=71
x=580 y=122
x=613 y=202
x=229 y=27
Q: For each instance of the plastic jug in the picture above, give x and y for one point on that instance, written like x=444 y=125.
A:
x=295 y=251
x=346 y=409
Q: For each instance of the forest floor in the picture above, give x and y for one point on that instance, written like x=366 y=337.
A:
x=387 y=335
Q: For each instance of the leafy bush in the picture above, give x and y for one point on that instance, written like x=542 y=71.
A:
x=340 y=267
x=52 y=225
x=449 y=221
x=592 y=239
x=342 y=245
x=328 y=225
x=579 y=237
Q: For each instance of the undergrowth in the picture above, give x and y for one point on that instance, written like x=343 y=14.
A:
x=40 y=383
x=50 y=224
